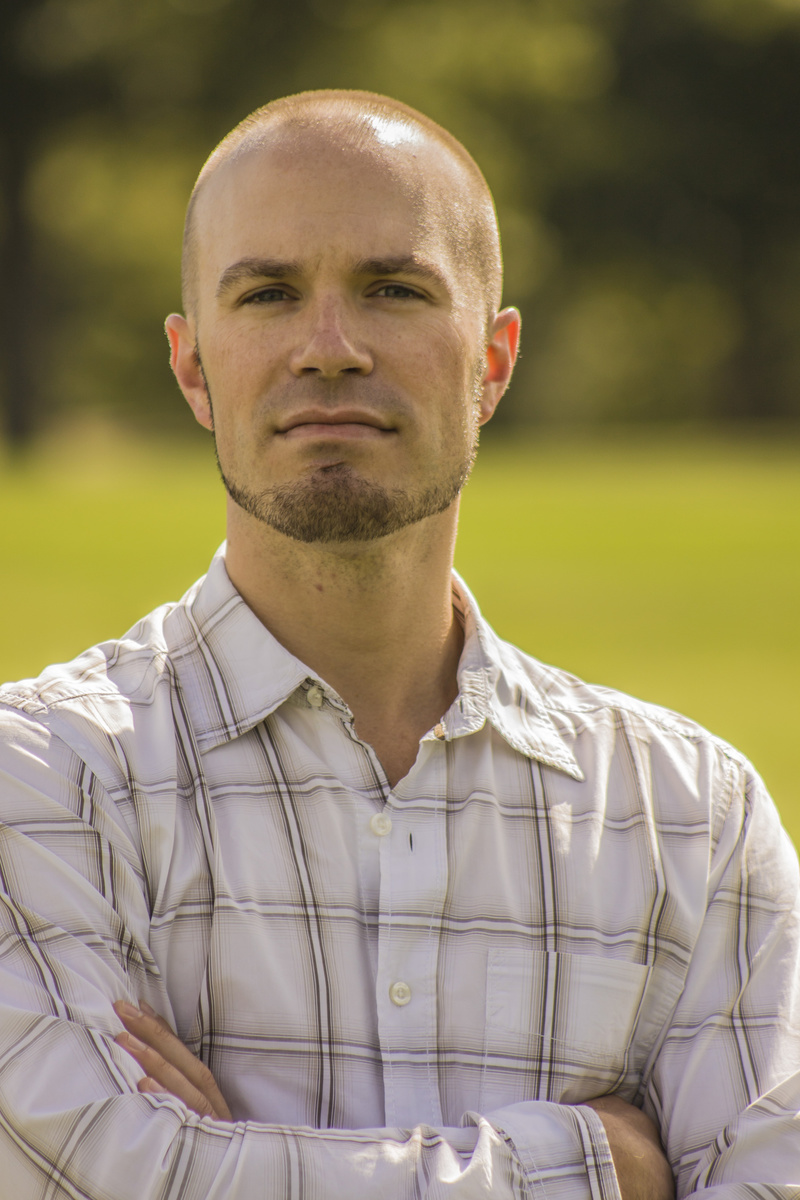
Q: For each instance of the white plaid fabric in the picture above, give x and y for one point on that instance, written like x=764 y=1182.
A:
x=402 y=992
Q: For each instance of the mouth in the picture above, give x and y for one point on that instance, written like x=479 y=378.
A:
x=335 y=423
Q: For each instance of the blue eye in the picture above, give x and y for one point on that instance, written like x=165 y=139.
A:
x=397 y=291
x=267 y=295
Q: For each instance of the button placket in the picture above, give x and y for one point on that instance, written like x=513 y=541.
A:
x=413 y=864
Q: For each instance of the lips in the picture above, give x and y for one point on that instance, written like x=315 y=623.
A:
x=334 y=423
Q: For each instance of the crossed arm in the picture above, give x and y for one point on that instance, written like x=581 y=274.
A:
x=726 y=1078
x=642 y=1170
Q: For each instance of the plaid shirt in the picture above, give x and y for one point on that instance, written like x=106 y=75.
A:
x=401 y=991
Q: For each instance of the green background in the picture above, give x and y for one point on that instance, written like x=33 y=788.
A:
x=662 y=563
x=644 y=156
x=645 y=160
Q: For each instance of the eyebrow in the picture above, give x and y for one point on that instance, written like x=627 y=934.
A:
x=401 y=264
x=248 y=269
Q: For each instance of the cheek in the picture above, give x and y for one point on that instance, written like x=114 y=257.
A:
x=462 y=338
x=236 y=357
x=451 y=359
x=239 y=373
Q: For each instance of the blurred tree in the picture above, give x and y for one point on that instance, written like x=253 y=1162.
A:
x=700 y=213
x=84 y=86
x=644 y=156
x=30 y=100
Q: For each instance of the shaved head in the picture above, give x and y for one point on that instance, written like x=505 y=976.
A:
x=428 y=163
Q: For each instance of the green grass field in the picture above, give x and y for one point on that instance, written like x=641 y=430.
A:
x=661 y=563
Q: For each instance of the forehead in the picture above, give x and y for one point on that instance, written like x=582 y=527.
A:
x=305 y=194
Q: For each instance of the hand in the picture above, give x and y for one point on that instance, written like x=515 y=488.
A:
x=169 y=1066
x=643 y=1172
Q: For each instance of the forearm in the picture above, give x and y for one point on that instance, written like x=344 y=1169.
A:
x=642 y=1169
x=56 y=1124
x=130 y=1146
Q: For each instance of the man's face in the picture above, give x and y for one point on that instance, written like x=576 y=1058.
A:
x=342 y=347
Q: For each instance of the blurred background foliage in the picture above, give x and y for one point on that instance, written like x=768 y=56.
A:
x=644 y=155
x=645 y=159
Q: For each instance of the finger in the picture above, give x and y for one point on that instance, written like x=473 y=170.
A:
x=162 y=1077
x=145 y=1008
x=205 y=1100
x=155 y=1033
x=152 y=1087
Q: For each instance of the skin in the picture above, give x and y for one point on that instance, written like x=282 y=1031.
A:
x=643 y=1172
x=367 y=358
x=396 y=359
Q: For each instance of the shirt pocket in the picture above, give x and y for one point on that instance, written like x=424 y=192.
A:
x=558 y=1026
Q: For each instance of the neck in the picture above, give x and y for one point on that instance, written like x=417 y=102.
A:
x=374 y=620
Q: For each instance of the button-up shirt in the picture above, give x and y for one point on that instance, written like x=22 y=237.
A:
x=401 y=991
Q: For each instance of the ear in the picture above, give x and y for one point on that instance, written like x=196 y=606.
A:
x=501 y=354
x=185 y=363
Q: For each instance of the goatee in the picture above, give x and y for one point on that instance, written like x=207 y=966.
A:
x=336 y=504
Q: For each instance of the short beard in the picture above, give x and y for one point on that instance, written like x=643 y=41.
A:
x=336 y=504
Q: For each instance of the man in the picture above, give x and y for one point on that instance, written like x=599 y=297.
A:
x=426 y=917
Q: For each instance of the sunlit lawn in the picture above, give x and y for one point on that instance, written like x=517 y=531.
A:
x=663 y=564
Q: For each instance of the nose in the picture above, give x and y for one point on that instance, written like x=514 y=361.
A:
x=329 y=345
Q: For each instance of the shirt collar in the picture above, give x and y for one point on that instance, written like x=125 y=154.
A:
x=501 y=685
x=233 y=673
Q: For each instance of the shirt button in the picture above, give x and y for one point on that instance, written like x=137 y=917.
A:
x=380 y=824
x=399 y=993
x=315 y=696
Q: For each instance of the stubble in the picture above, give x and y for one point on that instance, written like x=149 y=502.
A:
x=336 y=504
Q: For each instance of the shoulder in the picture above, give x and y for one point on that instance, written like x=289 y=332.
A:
x=640 y=757
x=85 y=711
x=610 y=732
x=122 y=671
x=592 y=721
x=586 y=706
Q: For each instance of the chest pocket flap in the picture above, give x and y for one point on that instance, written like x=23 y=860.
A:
x=558 y=1026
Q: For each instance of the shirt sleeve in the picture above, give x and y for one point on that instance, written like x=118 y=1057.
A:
x=724 y=1078
x=75 y=910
